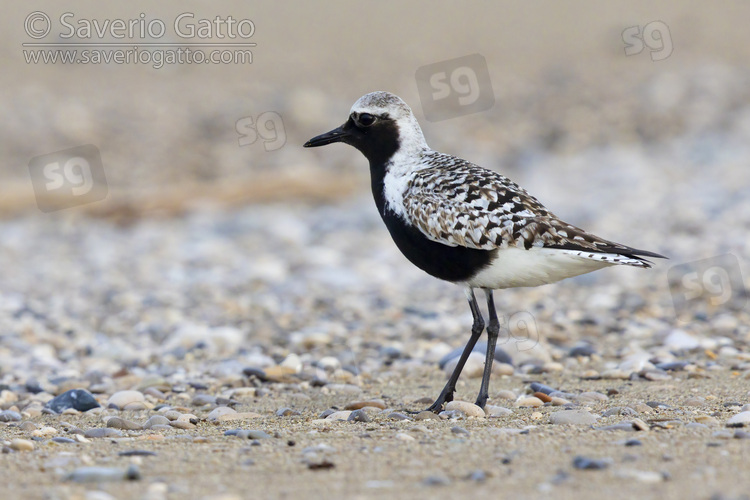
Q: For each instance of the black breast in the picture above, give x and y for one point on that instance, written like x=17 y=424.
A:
x=448 y=263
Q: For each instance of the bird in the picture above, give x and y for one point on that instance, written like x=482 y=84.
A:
x=465 y=224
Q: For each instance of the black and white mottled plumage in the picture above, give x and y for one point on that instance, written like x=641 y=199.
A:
x=461 y=222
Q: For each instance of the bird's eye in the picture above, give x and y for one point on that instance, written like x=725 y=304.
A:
x=366 y=119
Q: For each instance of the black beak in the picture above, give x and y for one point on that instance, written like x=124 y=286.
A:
x=336 y=135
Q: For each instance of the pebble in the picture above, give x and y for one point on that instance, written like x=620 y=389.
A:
x=506 y=394
x=22 y=445
x=402 y=436
x=101 y=474
x=219 y=412
x=10 y=416
x=459 y=430
x=182 y=424
x=468 y=409
x=739 y=420
x=573 y=417
x=102 y=432
x=529 y=401
x=436 y=481
x=584 y=463
x=358 y=416
x=44 y=432
x=121 y=423
x=357 y=405
x=155 y=420
x=426 y=415
x=63 y=440
x=121 y=399
x=493 y=411
x=287 y=412
x=202 y=400
x=76 y=399
x=400 y=416
x=544 y=389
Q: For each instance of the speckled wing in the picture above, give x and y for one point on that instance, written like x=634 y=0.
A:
x=457 y=203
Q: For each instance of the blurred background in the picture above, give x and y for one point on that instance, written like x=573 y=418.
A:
x=630 y=119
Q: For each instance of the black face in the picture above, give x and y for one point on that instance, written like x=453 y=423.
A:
x=376 y=136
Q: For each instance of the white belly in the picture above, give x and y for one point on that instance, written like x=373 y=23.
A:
x=514 y=267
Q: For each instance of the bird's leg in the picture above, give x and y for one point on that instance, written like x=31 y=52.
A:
x=477 y=327
x=493 y=329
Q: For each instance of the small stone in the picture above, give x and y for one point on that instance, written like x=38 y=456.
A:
x=202 y=400
x=493 y=411
x=585 y=463
x=739 y=420
x=357 y=405
x=468 y=409
x=22 y=445
x=506 y=394
x=537 y=415
x=559 y=401
x=219 y=412
x=633 y=442
x=339 y=415
x=426 y=415
x=287 y=412
x=543 y=397
x=182 y=424
x=639 y=425
x=400 y=416
x=10 y=416
x=478 y=476
x=402 y=436
x=122 y=398
x=121 y=423
x=358 y=416
x=590 y=397
x=573 y=417
x=436 y=481
x=459 y=430
x=76 y=399
x=44 y=432
x=530 y=401
x=544 y=389
x=101 y=474
x=99 y=432
x=63 y=440
x=155 y=420
x=695 y=401
x=253 y=434
x=681 y=340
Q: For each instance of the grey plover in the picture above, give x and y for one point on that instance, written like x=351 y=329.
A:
x=463 y=223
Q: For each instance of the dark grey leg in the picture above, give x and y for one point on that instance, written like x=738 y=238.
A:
x=493 y=329
x=477 y=327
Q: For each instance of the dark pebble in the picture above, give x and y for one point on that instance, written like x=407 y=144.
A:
x=327 y=412
x=582 y=350
x=137 y=453
x=78 y=399
x=460 y=430
x=322 y=465
x=255 y=373
x=633 y=442
x=585 y=463
x=286 y=412
x=358 y=416
x=544 y=389
x=672 y=366
x=63 y=440
x=741 y=434
x=199 y=386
